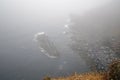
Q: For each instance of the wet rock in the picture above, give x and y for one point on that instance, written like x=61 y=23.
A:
x=114 y=71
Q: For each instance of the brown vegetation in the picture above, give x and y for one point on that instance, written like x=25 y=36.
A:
x=87 y=76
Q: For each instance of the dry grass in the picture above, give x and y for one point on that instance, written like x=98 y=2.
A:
x=87 y=76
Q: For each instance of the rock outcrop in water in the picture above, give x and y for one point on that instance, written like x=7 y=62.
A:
x=95 y=35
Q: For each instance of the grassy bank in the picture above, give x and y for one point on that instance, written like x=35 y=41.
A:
x=113 y=73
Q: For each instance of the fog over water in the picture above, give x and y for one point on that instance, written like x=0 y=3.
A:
x=20 y=20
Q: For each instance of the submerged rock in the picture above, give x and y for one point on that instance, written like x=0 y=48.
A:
x=46 y=45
